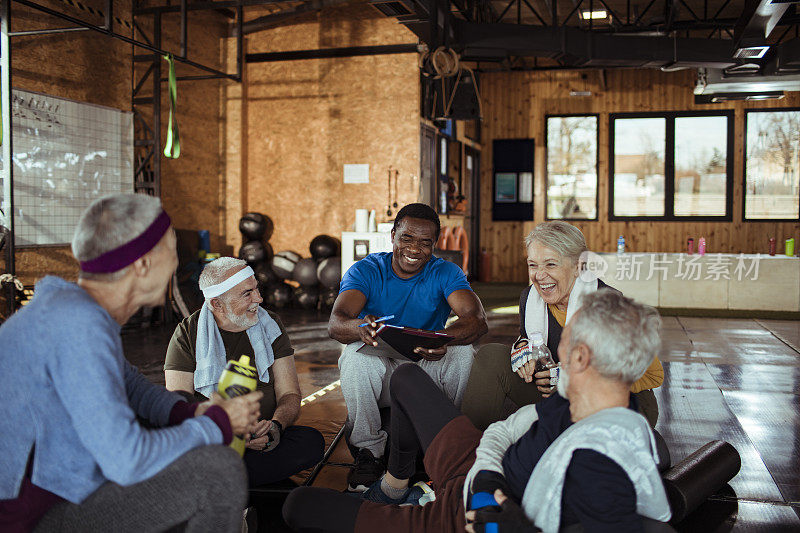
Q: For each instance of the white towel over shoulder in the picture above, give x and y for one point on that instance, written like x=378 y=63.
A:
x=210 y=350
x=536 y=308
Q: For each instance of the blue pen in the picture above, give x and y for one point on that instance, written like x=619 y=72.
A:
x=381 y=319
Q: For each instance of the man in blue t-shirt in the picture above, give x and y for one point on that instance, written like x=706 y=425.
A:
x=420 y=291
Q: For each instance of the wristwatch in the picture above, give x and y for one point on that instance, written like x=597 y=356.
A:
x=280 y=426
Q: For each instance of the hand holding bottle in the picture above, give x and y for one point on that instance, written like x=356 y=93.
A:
x=243 y=411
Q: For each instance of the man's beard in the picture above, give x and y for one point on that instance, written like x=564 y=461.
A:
x=563 y=382
x=242 y=321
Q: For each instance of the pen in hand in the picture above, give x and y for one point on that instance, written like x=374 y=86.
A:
x=381 y=319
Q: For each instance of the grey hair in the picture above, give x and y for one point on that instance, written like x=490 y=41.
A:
x=217 y=272
x=623 y=335
x=109 y=223
x=564 y=238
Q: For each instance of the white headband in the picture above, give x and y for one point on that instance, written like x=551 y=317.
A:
x=224 y=286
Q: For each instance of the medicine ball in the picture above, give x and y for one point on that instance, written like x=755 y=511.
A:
x=328 y=296
x=264 y=275
x=329 y=272
x=283 y=263
x=255 y=252
x=323 y=246
x=305 y=272
x=306 y=297
x=256 y=227
x=279 y=295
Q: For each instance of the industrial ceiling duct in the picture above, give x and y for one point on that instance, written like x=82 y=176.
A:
x=717 y=86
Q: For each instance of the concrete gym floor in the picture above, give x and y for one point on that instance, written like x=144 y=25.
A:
x=728 y=379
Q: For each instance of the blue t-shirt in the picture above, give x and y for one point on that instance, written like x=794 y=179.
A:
x=418 y=302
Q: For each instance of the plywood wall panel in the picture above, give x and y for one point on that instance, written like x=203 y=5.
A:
x=84 y=66
x=193 y=187
x=308 y=118
x=631 y=90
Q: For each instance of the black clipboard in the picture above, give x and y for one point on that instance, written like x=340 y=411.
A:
x=398 y=342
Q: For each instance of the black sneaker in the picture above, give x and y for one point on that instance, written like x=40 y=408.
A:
x=366 y=471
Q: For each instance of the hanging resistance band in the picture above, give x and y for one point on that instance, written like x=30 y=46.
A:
x=172 y=148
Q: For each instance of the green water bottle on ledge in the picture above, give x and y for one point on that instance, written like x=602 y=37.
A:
x=238 y=379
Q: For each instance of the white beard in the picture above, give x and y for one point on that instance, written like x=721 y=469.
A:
x=563 y=382
x=242 y=321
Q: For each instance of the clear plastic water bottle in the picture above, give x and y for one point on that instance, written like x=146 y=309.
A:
x=621 y=245
x=543 y=357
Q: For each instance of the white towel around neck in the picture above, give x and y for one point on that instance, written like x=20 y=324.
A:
x=618 y=433
x=536 y=308
x=210 y=350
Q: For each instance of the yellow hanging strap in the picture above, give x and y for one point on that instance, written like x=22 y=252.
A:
x=172 y=148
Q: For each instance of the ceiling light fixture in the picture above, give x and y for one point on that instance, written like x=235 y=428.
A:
x=751 y=52
x=598 y=14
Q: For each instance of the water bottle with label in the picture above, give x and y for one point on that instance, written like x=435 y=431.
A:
x=621 y=245
x=544 y=359
x=238 y=379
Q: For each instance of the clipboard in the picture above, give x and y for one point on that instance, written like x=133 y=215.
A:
x=398 y=342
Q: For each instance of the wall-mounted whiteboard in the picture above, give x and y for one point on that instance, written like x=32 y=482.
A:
x=66 y=155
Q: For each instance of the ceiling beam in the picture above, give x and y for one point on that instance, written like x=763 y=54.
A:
x=276 y=19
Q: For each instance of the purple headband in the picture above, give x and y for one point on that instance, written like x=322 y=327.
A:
x=124 y=255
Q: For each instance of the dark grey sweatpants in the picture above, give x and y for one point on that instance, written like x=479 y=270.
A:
x=203 y=490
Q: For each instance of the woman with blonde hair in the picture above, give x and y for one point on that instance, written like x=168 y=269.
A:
x=494 y=390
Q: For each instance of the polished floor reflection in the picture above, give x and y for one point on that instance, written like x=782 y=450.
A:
x=729 y=379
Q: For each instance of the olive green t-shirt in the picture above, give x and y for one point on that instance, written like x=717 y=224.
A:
x=181 y=355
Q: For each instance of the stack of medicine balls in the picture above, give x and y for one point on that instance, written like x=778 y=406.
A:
x=286 y=277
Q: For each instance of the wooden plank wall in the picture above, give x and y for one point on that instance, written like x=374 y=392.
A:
x=515 y=105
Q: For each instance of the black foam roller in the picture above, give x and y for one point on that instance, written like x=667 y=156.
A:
x=690 y=482
x=664 y=458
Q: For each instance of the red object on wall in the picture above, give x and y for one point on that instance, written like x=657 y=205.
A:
x=444 y=237
x=459 y=241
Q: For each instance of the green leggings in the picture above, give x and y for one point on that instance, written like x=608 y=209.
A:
x=494 y=391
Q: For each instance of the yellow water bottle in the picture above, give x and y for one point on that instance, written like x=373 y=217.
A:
x=238 y=379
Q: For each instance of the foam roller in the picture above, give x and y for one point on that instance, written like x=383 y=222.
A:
x=690 y=482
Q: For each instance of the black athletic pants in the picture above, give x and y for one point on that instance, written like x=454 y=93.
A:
x=419 y=412
x=300 y=447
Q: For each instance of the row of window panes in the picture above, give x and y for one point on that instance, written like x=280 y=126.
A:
x=699 y=174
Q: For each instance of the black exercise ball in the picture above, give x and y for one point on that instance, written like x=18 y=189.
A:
x=305 y=272
x=291 y=254
x=329 y=272
x=279 y=295
x=256 y=227
x=306 y=297
x=328 y=296
x=264 y=274
x=283 y=263
x=324 y=246
x=255 y=252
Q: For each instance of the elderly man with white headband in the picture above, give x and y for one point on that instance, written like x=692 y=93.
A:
x=74 y=454
x=231 y=323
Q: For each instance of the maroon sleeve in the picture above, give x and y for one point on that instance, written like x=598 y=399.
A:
x=181 y=411
x=220 y=418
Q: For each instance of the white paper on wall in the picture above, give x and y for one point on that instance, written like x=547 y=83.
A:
x=356 y=173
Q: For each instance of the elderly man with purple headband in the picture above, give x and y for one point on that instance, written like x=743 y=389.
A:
x=75 y=454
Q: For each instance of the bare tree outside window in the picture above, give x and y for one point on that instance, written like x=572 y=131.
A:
x=639 y=146
x=772 y=165
x=701 y=146
x=572 y=167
